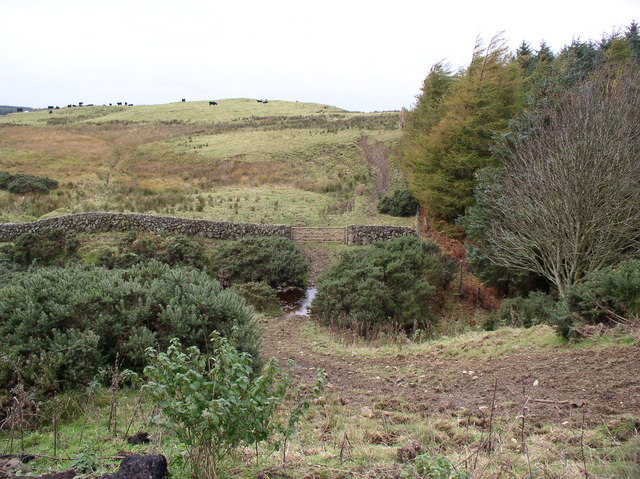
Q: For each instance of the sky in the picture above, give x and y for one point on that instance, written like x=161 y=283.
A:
x=359 y=55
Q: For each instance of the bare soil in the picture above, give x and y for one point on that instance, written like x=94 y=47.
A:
x=377 y=154
x=601 y=382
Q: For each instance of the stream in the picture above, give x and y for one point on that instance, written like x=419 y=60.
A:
x=297 y=301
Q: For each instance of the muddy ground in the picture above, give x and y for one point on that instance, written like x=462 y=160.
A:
x=599 y=383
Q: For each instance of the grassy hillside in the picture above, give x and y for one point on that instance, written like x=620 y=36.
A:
x=193 y=159
x=190 y=112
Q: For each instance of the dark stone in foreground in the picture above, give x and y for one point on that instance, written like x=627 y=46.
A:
x=135 y=466
x=153 y=466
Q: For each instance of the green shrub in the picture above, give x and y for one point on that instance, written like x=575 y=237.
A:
x=58 y=326
x=536 y=308
x=391 y=285
x=438 y=467
x=274 y=260
x=41 y=248
x=214 y=403
x=5 y=179
x=22 y=184
x=400 y=203
x=608 y=296
x=260 y=296
x=172 y=250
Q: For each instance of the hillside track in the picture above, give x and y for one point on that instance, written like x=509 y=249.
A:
x=602 y=383
x=377 y=155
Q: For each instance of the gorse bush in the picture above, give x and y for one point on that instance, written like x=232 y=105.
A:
x=41 y=248
x=536 y=308
x=609 y=296
x=170 y=249
x=400 y=203
x=391 y=285
x=274 y=260
x=58 y=326
x=21 y=184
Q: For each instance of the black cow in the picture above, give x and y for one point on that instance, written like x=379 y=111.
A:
x=119 y=103
x=19 y=110
x=80 y=103
x=213 y=103
x=69 y=106
x=183 y=100
x=50 y=107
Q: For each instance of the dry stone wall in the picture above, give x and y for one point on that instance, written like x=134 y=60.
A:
x=99 y=222
x=362 y=234
x=95 y=222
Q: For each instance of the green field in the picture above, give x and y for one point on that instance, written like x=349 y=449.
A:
x=281 y=162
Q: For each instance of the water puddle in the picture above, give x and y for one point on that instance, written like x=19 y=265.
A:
x=297 y=301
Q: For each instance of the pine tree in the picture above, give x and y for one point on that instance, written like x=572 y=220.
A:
x=633 y=38
x=526 y=58
x=446 y=154
x=544 y=53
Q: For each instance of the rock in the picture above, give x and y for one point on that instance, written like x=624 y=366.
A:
x=12 y=466
x=135 y=466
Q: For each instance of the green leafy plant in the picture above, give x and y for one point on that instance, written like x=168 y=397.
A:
x=438 y=467
x=216 y=402
x=86 y=462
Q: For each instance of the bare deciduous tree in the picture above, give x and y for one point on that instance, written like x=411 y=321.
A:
x=568 y=200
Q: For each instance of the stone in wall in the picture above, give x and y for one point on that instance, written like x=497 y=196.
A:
x=363 y=235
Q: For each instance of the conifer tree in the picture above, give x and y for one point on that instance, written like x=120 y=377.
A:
x=452 y=132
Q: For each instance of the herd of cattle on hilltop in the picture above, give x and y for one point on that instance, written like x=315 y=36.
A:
x=81 y=104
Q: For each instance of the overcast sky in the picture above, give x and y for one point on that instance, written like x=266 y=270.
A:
x=360 y=55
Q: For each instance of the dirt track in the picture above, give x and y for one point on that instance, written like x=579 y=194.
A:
x=604 y=382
